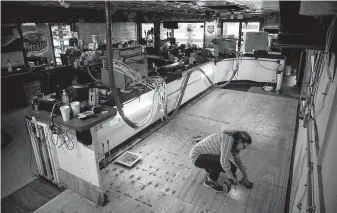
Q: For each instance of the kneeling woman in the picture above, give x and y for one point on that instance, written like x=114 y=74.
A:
x=213 y=154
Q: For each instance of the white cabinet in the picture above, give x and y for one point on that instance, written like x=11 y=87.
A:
x=247 y=70
x=223 y=70
x=263 y=70
x=266 y=70
x=117 y=131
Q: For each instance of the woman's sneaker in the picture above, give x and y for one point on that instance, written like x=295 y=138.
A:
x=227 y=185
x=213 y=184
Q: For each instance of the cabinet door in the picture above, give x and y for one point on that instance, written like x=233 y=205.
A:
x=247 y=70
x=266 y=70
x=223 y=70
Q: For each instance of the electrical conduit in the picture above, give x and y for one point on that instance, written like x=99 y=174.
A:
x=110 y=65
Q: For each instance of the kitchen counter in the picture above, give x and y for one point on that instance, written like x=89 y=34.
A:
x=80 y=165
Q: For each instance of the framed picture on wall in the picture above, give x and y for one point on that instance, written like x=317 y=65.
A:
x=36 y=40
x=11 y=47
x=10 y=39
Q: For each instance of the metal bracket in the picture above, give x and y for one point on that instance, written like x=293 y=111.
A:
x=311 y=208
x=311 y=166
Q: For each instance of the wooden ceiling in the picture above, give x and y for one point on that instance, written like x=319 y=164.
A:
x=191 y=7
x=264 y=6
x=132 y=6
x=52 y=11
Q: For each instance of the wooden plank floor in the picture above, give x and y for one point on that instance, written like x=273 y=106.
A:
x=166 y=181
x=30 y=197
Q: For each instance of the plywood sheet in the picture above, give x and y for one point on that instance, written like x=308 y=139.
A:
x=69 y=201
x=78 y=161
x=166 y=166
x=166 y=181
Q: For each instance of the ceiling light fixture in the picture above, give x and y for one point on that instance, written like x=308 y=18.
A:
x=64 y=4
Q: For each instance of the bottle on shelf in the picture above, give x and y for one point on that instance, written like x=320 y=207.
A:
x=65 y=98
x=9 y=66
x=58 y=92
x=191 y=59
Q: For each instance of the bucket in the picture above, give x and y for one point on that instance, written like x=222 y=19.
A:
x=287 y=70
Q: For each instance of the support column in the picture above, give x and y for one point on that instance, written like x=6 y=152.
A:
x=18 y=26
x=300 y=70
x=240 y=36
x=139 y=31
x=139 y=27
x=204 y=34
x=157 y=37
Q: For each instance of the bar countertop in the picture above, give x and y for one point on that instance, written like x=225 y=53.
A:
x=81 y=125
x=75 y=123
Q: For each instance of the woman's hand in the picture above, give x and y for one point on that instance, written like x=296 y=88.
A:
x=246 y=183
x=233 y=181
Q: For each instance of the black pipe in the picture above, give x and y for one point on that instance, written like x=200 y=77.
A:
x=182 y=92
x=110 y=66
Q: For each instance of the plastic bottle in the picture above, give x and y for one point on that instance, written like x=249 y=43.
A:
x=9 y=66
x=65 y=98
x=190 y=60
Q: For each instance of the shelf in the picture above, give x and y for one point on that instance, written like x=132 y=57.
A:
x=131 y=55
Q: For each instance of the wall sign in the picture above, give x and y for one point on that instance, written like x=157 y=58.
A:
x=10 y=39
x=37 y=40
x=11 y=46
x=210 y=29
x=35 y=43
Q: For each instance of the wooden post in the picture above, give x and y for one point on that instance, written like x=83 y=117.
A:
x=157 y=37
x=35 y=148
x=240 y=35
x=52 y=44
x=52 y=154
x=45 y=153
x=18 y=26
x=96 y=145
x=221 y=22
x=300 y=70
x=204 y=34
x=139 y=27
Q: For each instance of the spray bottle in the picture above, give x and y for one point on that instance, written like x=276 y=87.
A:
x=65 y=98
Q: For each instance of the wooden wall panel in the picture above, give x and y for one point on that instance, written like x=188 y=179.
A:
x=86 y=30
x=80 y=186
x=120 y=30
x=124 y=30
x=79 y=161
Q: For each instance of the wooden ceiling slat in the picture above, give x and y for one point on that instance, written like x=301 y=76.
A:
x=151 y=6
